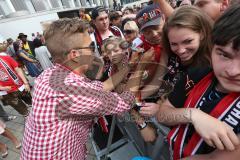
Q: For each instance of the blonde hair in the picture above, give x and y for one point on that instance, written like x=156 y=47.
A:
x=60 y=34
x=131 y=25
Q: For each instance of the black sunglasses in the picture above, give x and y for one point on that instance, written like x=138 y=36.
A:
x=128 y=31
x=91 y=47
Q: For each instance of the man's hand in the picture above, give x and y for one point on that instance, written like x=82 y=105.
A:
x=148 y=134
x=27 y=87
x=214 y=132
x=149 y=109
x=135 y=57
x=148 y=55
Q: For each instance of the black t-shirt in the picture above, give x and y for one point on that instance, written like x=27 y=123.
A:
x=177 y=72
x=174 y=69
x=185 y=83
x=170 y=79
x=208 y=102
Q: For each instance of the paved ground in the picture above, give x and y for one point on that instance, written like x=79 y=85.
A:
x=17 y=127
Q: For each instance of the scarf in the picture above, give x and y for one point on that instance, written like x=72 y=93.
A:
x=177 y=135
x=157 y=48
x=10 y=72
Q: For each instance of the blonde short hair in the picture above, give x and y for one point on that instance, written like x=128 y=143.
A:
x=60 y=34
x=131 y=25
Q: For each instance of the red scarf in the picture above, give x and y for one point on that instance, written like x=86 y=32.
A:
x=11 y=73
x=157 y=48
x=115 y=31
x=177 y=135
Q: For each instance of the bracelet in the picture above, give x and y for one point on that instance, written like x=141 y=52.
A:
x=188 y=114
x=137 y=107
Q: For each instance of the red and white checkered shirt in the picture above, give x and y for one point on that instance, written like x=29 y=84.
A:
x=64 y=106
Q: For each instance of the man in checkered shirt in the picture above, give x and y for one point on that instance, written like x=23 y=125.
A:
x=65 y=102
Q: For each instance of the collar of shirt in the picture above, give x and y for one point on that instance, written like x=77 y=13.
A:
x=82 y=77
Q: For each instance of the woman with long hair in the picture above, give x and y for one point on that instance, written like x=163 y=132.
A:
x=28 y=60
x=187 y=42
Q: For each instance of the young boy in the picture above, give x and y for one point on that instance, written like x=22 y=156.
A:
x=207 y=119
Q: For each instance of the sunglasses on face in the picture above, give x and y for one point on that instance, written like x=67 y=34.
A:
x=128 y=31
x=91 y=47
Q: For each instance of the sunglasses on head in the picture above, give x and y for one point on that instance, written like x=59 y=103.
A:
x=128 y=31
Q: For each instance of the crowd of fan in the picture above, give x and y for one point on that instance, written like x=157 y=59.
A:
x=170 y=61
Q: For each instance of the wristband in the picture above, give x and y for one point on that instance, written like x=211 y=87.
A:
x=137 y=106
x=188 y=114
x=142 y=125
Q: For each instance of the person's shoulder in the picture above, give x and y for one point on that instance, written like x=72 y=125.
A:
x=115 y=30
x=114 y=27
x=5 y=56
x=31 y=42
x=198 y=73
x=43 y=47
x=88 y=17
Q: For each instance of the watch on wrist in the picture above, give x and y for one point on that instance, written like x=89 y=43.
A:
x=142 y=125
x=137 y=106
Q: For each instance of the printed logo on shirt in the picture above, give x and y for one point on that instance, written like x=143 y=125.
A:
x=233 y=116
x=3 y=76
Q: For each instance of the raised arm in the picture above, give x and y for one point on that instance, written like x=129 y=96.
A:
x=22 y=76
x=165 y=7
x=155 y=84
x=27 y=58
x=114 y=80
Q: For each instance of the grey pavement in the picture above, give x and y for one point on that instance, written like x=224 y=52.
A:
x=17 y=128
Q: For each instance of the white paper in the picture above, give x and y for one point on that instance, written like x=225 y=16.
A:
x=21 y=88
x=2 y=93
x=137 y=42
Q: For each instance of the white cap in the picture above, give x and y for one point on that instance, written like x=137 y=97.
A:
x=131 y=25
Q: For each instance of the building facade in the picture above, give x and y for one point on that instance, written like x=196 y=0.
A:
x=32 y=6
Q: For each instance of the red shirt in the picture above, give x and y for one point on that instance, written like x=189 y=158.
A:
x=5 y=78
